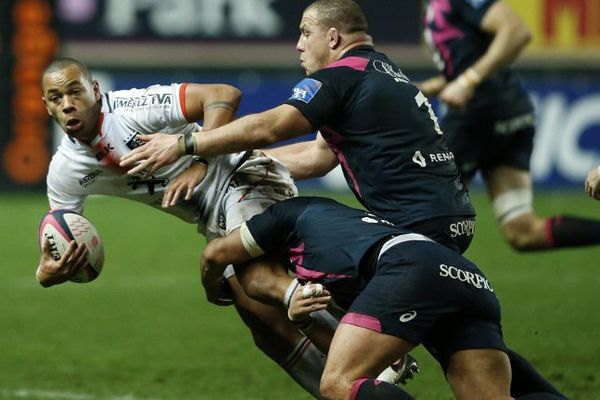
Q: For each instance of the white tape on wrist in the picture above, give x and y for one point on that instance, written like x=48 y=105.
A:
x=289 y=293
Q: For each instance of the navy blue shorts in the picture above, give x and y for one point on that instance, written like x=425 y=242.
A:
x=427 y=294
x=481 y=142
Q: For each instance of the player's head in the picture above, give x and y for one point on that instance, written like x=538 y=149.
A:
x=72 y=97
x=327 y=29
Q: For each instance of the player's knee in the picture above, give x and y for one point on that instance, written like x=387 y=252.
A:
x=333 y=387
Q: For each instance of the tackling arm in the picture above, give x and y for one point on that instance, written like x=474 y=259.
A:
x=232 y=249
x=247 y=133
x=305 y=160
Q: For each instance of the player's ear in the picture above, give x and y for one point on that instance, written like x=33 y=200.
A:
x=97 y=92
x=333 y=38
x=46 y=105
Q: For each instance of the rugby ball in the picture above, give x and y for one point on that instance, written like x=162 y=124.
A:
x=59 y=227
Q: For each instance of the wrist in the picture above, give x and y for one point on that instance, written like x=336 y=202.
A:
x=186 y=144
x=289 y=293
x=470 y=78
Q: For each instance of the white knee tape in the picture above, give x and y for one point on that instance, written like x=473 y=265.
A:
x=512 y=204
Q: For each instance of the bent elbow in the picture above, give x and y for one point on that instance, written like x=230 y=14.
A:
x=230 y=93
x=526 y=36
x=520 y=34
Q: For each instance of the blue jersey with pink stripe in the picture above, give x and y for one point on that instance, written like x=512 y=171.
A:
x=386 y=138
x=452 y=31
x=326 y=241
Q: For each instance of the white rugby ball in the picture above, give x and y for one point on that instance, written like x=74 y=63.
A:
x=59 y=227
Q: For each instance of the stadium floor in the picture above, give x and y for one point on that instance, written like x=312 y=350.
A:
x=144 y=331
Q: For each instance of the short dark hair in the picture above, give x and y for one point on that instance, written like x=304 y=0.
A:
x=344 y=15
x=64 y=62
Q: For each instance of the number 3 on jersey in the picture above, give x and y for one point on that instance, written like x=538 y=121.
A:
x=421 y=99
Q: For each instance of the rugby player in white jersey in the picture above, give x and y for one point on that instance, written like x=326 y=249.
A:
x=102 y=127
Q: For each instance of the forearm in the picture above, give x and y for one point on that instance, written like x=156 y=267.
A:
x=304 y=160
x=504 y=49
x=510 y=36
x=294 y=157
x=211 y=272
x=432 y=86
x=246 y=133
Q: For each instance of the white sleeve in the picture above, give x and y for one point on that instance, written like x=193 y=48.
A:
x=153 y=109
x=249 y=243
x=58 y=198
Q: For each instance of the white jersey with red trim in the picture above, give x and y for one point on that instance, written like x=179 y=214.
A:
x=78 y=170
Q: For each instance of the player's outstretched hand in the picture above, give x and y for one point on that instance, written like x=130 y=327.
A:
x=456 y=94
x=53 y=272
x=592 y=183
x=184 y=183
x=432 y=86
x=160 y=150
x=307 y=299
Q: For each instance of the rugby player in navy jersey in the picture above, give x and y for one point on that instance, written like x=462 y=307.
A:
x=399 y=289
x=489 y=126
x=373 y=121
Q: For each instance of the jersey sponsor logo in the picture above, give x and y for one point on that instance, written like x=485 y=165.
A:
x=510 y=126
x=143 y=102
x=134 y=142
x=306 y=90
x=408 y=316
x=441 y=157
x=419 y=159
x=104 y=152
x=89 y=178
x=373 y=219
x=473 y=279
x=462 y=228
x=150 y=184
x=388 y=69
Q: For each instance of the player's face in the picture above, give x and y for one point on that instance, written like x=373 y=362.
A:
x=72 y=101
x=313 y=44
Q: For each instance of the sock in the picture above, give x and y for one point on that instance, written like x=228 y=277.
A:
x=526 y=380
x=371 y=389
x=305 y=365
x=566 y=231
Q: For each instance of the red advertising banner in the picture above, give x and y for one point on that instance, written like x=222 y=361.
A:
x=29 y=42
